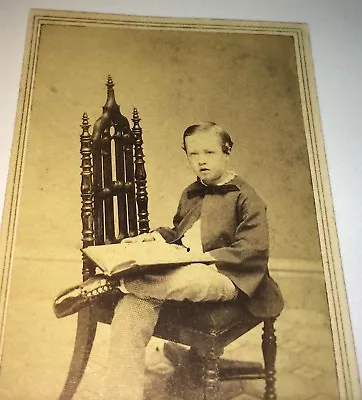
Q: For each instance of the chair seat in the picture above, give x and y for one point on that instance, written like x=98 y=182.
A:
x=204 y=324
x=211 y=317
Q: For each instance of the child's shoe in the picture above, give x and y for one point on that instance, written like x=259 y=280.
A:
x=71 y=300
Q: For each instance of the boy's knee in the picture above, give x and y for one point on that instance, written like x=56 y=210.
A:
x=188 y=275
x=193 y=283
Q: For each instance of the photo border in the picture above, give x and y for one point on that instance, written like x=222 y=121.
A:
x=344 y=351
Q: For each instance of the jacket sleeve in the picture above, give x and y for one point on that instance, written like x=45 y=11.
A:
x=245 y=260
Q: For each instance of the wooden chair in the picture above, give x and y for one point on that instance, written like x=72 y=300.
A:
x=115 y=206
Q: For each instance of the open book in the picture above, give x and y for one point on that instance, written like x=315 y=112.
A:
x=122 y=259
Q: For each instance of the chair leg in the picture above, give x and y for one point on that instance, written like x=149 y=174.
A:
x=211 y=382
x=269 y=347
x=86 y=330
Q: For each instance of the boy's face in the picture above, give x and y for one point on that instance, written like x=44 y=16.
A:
x=206 y=157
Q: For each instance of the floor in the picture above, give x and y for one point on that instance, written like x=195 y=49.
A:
x=38 y=347
x=305 y=364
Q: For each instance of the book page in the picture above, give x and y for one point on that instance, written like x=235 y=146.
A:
x=114 y=258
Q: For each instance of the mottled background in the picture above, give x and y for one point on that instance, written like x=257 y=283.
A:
x=246 y=83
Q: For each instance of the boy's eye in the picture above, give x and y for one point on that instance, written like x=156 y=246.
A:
x=209 y=152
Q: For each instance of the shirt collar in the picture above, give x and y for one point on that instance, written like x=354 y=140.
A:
x=229 y=177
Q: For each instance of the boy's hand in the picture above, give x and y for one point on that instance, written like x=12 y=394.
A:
x=144 y=237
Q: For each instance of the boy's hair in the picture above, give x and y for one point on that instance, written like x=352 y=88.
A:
x=226 y=142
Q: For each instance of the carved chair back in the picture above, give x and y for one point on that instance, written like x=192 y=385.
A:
x=113 y=179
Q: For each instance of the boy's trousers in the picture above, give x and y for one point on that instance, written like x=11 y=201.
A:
x=136 y=315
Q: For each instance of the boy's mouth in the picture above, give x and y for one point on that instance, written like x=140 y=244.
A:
x=204 y=169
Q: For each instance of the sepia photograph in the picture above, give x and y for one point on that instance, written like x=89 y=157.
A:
x=168 y=229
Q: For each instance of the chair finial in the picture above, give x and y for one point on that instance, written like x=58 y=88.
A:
x=85 y=119
x=111 y=104
x=110 y=83
x=85 y=124
x=135 y=116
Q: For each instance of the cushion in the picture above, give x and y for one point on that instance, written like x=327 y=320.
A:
x=211 y=317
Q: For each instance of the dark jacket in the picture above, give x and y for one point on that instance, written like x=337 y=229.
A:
x=234 y=230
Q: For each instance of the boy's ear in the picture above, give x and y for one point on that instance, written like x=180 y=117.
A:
x=226 y=148
x=228 y=154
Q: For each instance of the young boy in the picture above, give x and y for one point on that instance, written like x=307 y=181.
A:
x=219 y=213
